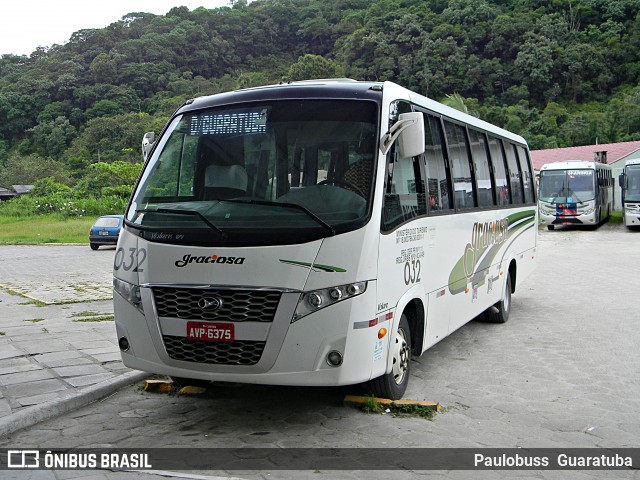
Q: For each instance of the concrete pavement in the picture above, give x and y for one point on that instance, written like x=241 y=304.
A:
x=563 y=372
x=58 y=347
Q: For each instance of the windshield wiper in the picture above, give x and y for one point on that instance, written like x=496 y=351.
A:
x=571 y=194
x=328 y=228
x=192 y=213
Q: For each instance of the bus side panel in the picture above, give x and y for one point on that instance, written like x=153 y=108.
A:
x=489 y=242
x=401 y=265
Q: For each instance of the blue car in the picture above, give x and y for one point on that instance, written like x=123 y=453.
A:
x=105 y=231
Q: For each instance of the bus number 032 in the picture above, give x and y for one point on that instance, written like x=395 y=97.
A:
x=134 y=260
x=412 y=272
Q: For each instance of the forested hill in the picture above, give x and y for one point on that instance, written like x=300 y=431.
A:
x=559 y=72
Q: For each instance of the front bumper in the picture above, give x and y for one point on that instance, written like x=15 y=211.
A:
x=292 y=353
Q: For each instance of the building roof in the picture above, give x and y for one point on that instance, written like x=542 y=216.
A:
x=615 y=152
x=21 y=189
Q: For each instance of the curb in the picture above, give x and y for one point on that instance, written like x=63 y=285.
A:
x=357 y=400
x=30 y=416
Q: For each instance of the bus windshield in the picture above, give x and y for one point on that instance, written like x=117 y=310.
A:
x=567 y=186
x=270 y=173
x=632 y=191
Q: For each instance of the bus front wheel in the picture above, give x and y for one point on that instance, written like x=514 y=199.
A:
x=499 y=313
x=393 y=385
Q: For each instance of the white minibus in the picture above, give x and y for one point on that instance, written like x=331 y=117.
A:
x=630 y=185
x=575 y=192
x=318 y=233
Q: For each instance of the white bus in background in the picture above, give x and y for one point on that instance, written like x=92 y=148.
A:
x=630 y=185
x=319 y=233
x=575 y=193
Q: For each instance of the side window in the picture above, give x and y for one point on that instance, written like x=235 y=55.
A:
x=404 y=197
x=503 y=197
x=459 y=158
x=515 y=178
x=175 y=169
x=481 y=164
x=436 y=171
x=527 y=178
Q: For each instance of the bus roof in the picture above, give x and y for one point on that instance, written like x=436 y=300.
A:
x=574 y=164
x=633 y=161
x=308 y=89
x=454 y=114
x=341 y=88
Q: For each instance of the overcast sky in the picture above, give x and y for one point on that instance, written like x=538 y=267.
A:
x=28 y=24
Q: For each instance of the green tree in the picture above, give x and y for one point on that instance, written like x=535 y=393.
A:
x=52 y=138
x=115 y=138
x=534 y=64
x=103 y=68
x=311 y=67
x=4 y=153
x=27 y=170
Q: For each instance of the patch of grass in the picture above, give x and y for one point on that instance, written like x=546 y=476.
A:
x=97 y=318
x=371 y=405
x=44 y=229
x=36 y=303
x=44 y=330
x=40 y=303
x=85 y=314
x=2 y=334
x=615 y=217
x=35 y=320
x=11 y=291
x=411 y=411
x=15 y=293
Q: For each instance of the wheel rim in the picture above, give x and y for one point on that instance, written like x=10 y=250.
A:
x=401 y=357
x=507 y=296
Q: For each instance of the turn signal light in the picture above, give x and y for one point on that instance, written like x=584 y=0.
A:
x=382 y=332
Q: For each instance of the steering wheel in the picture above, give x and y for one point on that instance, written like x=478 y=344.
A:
x=342 y=183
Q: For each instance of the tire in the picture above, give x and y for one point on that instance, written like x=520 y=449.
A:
x=93 y=246
x=393 y=385
x=499 y=313
x=550 y=227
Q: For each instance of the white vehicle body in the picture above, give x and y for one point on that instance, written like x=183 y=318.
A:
x=345 y=290
x=630 y=184
x=575 y=192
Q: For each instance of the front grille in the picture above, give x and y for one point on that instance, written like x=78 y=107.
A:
x=235 y=305
x=217 y=353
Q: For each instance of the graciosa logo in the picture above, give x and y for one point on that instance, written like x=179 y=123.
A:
x=210 y=259
x=483 y=235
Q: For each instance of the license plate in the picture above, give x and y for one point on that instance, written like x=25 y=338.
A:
x=210 y=332
x=104 y=232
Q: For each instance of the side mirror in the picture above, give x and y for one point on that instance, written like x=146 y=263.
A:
x=411 y=140
x=621 y=180
x=409 y=130
x=148 y=140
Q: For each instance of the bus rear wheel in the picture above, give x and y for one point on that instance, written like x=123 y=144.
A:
x=393 y=385
x=499 y=313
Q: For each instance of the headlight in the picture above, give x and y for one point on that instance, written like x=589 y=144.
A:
x=318 y=299
x=130 y=292
x=588 y=212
